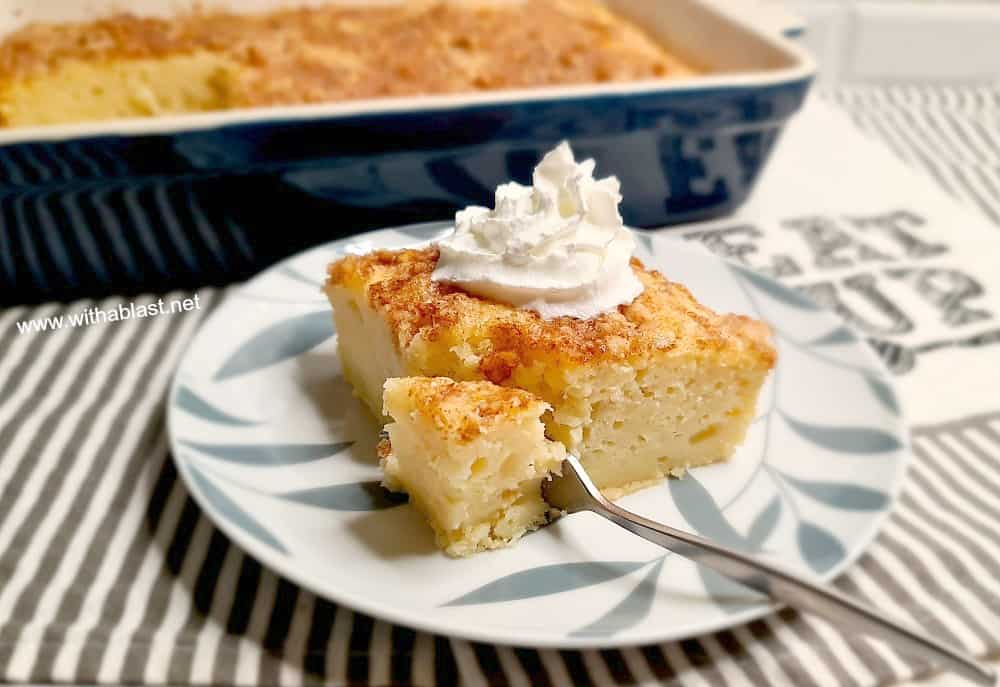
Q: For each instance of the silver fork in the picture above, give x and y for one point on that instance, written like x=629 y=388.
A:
x=575 y=492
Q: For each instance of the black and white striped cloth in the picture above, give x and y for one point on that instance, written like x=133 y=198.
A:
x=109 y=573
x=952 y=134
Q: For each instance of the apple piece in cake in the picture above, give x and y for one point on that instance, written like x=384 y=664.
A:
x=472 y=457
x=652 y=388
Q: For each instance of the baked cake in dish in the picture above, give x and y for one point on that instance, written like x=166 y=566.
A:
x=471 y=456
x=127 y=66
x=654 y=387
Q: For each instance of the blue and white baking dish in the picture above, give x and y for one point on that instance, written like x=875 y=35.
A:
x=207 y=199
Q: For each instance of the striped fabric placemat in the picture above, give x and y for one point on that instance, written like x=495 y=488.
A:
x=109 y=573
x=952 y=134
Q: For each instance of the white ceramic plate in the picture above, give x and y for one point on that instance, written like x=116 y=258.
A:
x=279 y=454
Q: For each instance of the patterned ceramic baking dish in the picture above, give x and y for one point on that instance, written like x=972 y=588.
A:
x=184 y=201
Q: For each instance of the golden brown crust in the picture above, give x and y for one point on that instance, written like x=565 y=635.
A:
x=383 y=449
x=328 y=53
x=465 y=410
x=664 y=319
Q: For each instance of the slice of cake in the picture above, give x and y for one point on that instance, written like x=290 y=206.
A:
x=472 y=456
x=654 y=387
x=541 y=293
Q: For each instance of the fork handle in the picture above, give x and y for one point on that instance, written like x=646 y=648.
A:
x=794 y=590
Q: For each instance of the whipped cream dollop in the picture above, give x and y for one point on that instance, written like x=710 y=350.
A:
x=558 y=247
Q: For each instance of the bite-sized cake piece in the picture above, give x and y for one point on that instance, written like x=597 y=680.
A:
x=653 y=387
x=472 y=457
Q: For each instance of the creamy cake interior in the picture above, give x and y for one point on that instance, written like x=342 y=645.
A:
x=472 y=457
x=652 y=388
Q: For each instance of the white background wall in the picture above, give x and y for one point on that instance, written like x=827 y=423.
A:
x=893 y=41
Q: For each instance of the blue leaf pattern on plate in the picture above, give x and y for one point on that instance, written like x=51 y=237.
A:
x=699 y=508
x=282 y=341
x=361 y=496
x=269 y=454
x=763 y=525
x=645 y=240
x=547 y=579
x=227 y=508
x=293 y=273
x=423 y=231
x=199 y=407
x=802 y=523
x=840 y=335
x=820 y=549
x=729 y=596
x=840 y=495
x=780 y=293
x=630 y=611
x=884 y=393
x=864 y=440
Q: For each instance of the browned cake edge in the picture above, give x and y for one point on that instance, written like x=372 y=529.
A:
x=466 y=410
x=665 y=318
